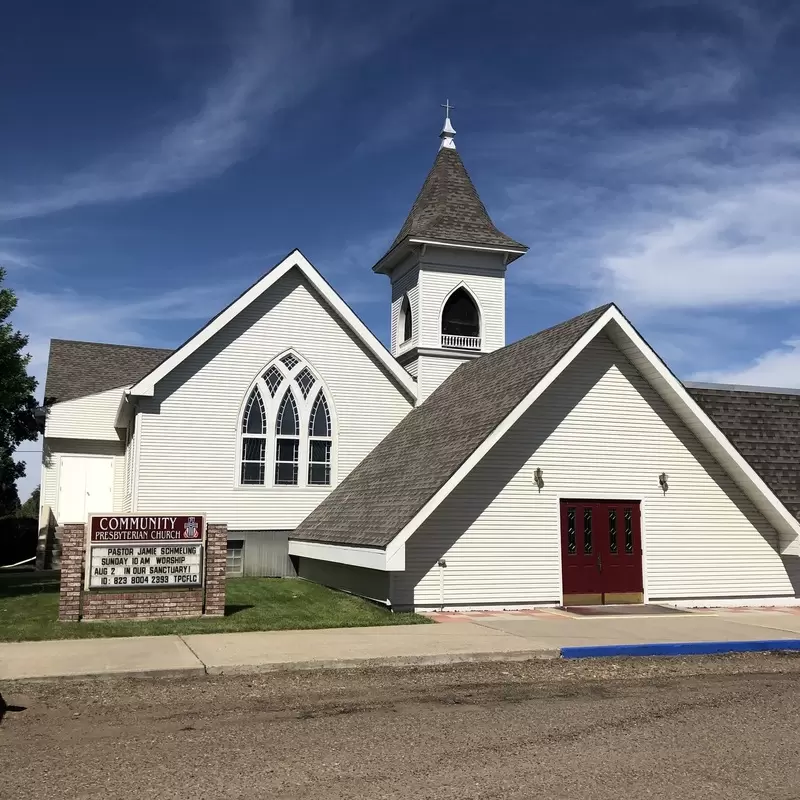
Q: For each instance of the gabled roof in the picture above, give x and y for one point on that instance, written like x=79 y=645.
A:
x=369 y=517
x=393 y=482
x=449 y=210
x=145 y=386
x=764 y=426
x=76 y=369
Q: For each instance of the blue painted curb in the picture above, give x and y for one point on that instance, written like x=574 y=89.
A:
x=679 y=648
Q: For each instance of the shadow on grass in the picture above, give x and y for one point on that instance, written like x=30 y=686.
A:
x=15 y=585
x=230 y=610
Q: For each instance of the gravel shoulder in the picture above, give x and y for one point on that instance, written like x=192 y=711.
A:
x=684 y=727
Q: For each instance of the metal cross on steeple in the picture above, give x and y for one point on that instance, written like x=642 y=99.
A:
x=448 y=131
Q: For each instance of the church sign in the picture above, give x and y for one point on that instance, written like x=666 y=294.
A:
x=140 y=552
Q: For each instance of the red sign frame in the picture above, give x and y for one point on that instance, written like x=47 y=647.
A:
x=161 y=527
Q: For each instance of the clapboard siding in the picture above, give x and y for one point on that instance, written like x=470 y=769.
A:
x=90 y=417
x=406 y=283
x=433 y=371
x=600 y=431
x=437 y=281
x=54 y=448
x=413 y=369
x=188 y=454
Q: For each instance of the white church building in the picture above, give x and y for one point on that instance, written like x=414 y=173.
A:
x=452 y=470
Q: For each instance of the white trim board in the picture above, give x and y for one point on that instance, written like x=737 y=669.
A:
x=656 y=372
x=368 y=557
x=295 y=260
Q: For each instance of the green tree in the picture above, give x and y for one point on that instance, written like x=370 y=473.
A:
x=18 y=419
x=30 y=508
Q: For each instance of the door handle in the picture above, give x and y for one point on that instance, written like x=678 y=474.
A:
x=599 y=563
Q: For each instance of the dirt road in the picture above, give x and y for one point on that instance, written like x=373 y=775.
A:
x=684 y=729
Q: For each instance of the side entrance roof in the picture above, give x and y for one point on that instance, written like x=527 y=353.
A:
x=368 y=518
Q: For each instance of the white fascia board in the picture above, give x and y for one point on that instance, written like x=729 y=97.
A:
x=123 y=410
x=367 y=557
x=709 y=434
x=484 y=248
x=754 y=487
x=146 y=386
x=495 y=436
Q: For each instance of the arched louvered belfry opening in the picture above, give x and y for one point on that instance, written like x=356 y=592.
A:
x=461 y=320
x=406 y=326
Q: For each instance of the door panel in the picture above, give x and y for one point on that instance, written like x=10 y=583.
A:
x=601 y=552
x=85 y=486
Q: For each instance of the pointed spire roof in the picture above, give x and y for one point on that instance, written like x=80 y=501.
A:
x=448 y=209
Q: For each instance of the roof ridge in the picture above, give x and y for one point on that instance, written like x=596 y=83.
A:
x=112 y=344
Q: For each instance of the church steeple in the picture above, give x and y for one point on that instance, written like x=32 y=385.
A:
x=448 y=210
x=447 y=266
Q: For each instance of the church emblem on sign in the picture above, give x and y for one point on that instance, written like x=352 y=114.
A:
x=192 y=528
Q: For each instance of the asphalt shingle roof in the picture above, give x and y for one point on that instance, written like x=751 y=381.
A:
x=765 y=428
x=384 y=492
x=449 y=209
x=76 y=369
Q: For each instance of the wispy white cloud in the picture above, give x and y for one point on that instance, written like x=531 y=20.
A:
x=679 y=201
x=779 y=367
x=279 y=59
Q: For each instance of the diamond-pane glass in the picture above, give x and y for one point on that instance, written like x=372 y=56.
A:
x=288 y=422
x=254 y=420
x=571 y=547
x=290 y=360
x=612 y=529
x=273 y=378
x=628 y=530
x=319 y=423
x=587 y=531
x=305 y=380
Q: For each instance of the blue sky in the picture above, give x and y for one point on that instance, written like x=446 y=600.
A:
x=155 y=159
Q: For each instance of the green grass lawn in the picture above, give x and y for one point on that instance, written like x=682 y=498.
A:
x=29 y=610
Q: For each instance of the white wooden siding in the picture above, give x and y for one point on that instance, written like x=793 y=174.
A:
x=52 y=451
x=413 y=369
x=406 y=283
x=487 y=285
x=601 y=432
x=433 y=371
x=187 y=434
x=130 y=465
x=90 y=417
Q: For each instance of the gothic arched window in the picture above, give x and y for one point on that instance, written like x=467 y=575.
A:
x=254 y=439
x=406 y=321
x=286 y=431
x=319 y=443
x=460 y=316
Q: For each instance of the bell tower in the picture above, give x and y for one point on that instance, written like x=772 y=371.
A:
x=447 y=266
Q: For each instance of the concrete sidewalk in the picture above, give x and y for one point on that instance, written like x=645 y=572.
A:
x=492 y=637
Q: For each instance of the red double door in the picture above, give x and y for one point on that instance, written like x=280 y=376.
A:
x=601 y=552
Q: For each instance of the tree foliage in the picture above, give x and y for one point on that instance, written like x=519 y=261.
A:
x=18 y=420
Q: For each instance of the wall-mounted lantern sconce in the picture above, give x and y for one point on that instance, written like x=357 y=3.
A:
x=663 y=482
x=538 y=478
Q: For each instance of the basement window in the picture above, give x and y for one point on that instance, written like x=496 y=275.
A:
x=234 y=564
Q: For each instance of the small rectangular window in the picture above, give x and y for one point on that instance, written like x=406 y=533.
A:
x=319 y=463
x=286 y=462
x=234 y=564
x=253 y=462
